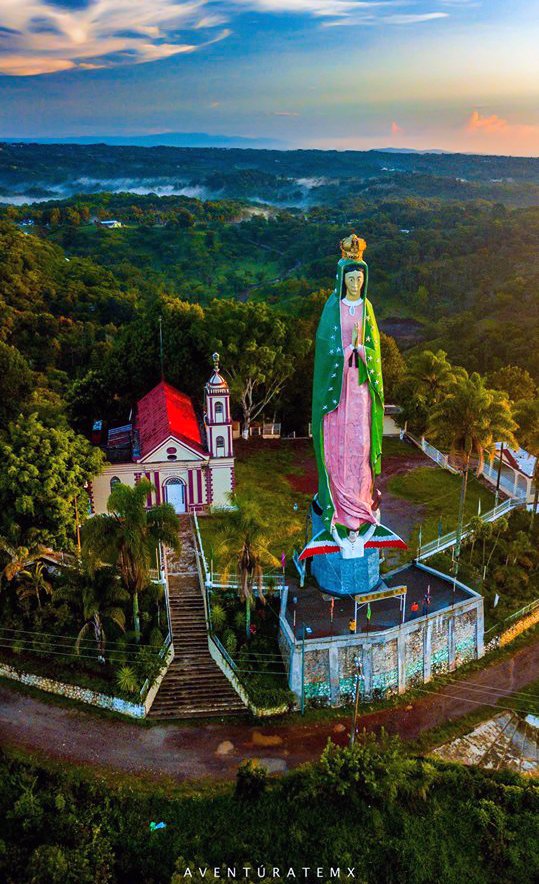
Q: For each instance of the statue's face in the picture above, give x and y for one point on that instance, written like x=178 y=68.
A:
x=354 y=283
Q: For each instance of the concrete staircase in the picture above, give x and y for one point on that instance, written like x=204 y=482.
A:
x=194 y=686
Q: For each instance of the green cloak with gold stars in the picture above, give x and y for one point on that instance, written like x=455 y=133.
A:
x=328 y=378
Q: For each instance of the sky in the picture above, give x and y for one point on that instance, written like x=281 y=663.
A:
x=459 y=75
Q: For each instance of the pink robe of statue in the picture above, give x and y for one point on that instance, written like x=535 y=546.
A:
x=347 y=438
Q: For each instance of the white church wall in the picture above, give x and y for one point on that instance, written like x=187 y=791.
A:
x=222 y=478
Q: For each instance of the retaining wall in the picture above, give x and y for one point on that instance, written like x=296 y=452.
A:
x=391 y=661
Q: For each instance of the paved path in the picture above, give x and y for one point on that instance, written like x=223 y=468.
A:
x=214 y=749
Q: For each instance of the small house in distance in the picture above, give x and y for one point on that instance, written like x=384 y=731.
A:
x=111 y=224
x=189 y=461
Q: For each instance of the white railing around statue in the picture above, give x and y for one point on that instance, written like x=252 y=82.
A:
x=450 y=539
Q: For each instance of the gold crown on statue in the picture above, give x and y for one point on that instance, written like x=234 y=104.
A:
x=353 y=247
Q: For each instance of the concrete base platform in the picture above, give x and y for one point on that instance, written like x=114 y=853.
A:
x=393 y=653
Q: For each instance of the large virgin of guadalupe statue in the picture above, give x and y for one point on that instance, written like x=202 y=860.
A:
x=348 y=417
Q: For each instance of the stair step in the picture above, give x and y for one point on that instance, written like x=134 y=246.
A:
x=194 y=686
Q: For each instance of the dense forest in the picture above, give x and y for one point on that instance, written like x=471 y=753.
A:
x=373 y=809
x=291 y=178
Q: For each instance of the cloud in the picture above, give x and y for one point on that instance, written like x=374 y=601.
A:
x=395 y=128
x=494 y=123
x=413 y=18
x=45 y=36
x=285 y=114
x=506 y=135
x=369 y=13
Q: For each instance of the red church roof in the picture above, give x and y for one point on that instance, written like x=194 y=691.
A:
x=164 y=412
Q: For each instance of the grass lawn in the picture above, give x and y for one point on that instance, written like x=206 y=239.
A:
x=437 y=492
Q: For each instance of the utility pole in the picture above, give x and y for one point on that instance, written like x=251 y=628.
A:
x=77 y=526
x=161 y=356
x=357 y=665
x=498 y=479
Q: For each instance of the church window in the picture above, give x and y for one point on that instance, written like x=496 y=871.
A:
x=114 y=481
x=220 y=446
x=219 y=413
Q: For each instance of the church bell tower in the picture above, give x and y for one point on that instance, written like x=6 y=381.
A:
x=218 y=419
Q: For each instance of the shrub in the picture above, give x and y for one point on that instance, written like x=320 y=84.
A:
x=156 y=638
x=218 y=617
x=239 y=621
x=127 y=680
x=230 y=642
x=251 y=780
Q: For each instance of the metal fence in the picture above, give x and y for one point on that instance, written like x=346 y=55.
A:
x=509 y=621
x=437 y=456
x=272 y=581
x=450 y=539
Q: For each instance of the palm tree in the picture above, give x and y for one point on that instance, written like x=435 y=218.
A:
x=469 y=420
x=242 y=544
x=527 y=417
x=19 y=558
x=127 y=537
x=433 y=374
x=429 y=376
x=95 y=598
x=32 y=583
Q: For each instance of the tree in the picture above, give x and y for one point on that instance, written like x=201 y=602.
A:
x=94 y=599
x=242 y=545
x=127 y=537
x=44 y=469
x=393 y=365
x=428 y=378
x=258 y=349
x=15 y=382
x=33 y=583
x=527 y=417
x=19 y=558
x=513 y=380
x=469 y=420
x=375 y=769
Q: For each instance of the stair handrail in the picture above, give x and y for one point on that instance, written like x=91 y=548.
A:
x=199 y=548
x=233 y=665
x=163 y=569
x=202 y=571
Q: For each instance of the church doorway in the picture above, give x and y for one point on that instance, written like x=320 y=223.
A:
x=175 y=495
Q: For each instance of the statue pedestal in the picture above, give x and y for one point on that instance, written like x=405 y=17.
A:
x=338 y=576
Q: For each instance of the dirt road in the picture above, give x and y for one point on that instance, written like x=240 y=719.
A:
x=215 y=749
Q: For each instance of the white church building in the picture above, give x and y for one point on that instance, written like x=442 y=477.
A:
x=189 y=462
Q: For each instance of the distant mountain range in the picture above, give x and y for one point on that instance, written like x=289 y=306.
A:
x=411 y=150
x=160 y=139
